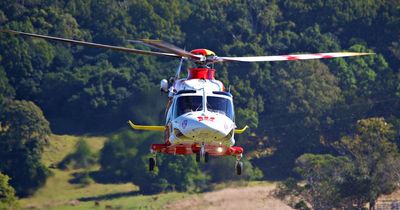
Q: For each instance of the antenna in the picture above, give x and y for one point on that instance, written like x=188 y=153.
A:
x=178 y=70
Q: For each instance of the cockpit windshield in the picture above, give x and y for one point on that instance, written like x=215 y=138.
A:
x=221 y=105
x=185 y=104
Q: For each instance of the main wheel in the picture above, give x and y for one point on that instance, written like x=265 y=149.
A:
x=206 y=157
x=239 y=168
x=198 y=157
x=152 y=163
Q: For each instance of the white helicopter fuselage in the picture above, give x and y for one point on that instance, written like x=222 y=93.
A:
x=201 y=113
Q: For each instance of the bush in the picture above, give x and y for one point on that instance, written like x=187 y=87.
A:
x=82 y=178
x=82 y=157
x=7 y=194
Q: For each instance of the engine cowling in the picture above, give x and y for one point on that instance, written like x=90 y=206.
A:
x=164 y=85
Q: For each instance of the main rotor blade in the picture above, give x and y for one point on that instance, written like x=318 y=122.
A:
x=291 y=57
x=142 y=43
x=91 y=44
x=171 y=48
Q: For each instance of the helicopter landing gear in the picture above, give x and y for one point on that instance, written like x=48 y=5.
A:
x=239 y=164
x=152 y=160
x=202 y=150
x=202 y=154
x=152 y=163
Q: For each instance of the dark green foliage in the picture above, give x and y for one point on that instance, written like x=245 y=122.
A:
x=300 y=95
x=81 y=178
x=125 y=158
x=292 y=107
x=23 y=134
x=221 y=169
x=368 y=168
x=82 y=157
x=7 y=194
x=376 y=160
x=86 y=85
x=323 y=174
x=301 y=205
x=6 y=91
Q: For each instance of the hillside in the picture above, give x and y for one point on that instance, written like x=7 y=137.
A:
x=58 y=193
x=303 y=116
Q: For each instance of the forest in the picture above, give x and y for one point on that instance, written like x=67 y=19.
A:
x=304 y=116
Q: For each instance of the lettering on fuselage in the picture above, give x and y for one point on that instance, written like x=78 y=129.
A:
x=205 y=118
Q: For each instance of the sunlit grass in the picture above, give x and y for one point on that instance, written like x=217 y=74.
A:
x=59 y=194
x=60 y=146
x=128 y=202
x=58 y=191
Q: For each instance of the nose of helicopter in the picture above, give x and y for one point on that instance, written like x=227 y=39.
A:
x=206 y=126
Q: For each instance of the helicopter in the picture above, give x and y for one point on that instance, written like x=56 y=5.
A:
x=200 y=117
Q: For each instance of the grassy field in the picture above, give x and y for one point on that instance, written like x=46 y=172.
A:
x=58 y=193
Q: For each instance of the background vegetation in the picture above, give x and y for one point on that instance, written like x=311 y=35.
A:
x=293 y=108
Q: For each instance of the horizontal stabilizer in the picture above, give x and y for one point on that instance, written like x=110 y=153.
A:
x=240 y=131
x=147 y=127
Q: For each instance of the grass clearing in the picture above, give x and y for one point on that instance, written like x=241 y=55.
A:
x=58 y=193
x=61 y=145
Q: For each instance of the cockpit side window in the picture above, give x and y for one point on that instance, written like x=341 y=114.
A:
x=185 y=104
x=221 y=105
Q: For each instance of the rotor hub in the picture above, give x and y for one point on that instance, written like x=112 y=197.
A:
x=203 y=52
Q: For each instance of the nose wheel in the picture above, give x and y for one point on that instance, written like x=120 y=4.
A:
x=152 y=160
x=202 y=154
x=152 y=163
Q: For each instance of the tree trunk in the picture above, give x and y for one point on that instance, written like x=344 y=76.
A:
x=372 y=205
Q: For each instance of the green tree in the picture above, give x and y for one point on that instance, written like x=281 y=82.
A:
x=23 y=135
x=376 y=159
x=323 y=174
x=7 y=194
x=300 y=97
x=368 y=168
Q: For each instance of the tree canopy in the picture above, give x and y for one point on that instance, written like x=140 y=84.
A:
x=292 y=107
x=23 y=134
